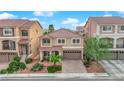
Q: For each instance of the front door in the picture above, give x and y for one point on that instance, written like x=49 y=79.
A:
x=46 y=55
x=24 y=49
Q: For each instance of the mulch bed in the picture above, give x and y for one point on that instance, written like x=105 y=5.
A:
x=44 y=70
x=95 y=68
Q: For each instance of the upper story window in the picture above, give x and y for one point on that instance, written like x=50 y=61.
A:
x=24 y=33
x=7 y=31
x=76 y=41
x=8 y=45
x=121 y=28
x=106 y=28
x=46 y=42
x=61 y=41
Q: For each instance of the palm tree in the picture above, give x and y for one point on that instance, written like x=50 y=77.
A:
x=55 y=58
x=95 y=49
x=51 y=28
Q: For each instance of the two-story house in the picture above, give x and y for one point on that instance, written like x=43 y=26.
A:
x=19 y=37
x=63 y=42
x=110 y=29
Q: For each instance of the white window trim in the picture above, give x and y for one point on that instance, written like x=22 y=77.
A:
x=107 y=30
x=120 y=28
x=46 y=43
x=7 y=34
x=75 y=43
x=61 y=43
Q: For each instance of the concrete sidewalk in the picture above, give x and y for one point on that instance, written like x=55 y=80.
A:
x=60 y=77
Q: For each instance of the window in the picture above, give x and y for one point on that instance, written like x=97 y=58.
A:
x=122 y=28
x=9 y=45
x=24 y=33
x=76 y=41
x=61 y=41
x=7 y=31
x=46 y=40
x=107 y=28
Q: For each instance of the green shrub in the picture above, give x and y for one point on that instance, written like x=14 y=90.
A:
x=3 y=71
x=22 y=66
x=17 y=58
x=37 y=67
x=11 y=70
x=14 y=66
x=87 y=63
x=53 y=69
x=28 y=60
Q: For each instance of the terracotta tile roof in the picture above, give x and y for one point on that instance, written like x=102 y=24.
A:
x=23 y=24
x=26 y=25
x=108 y=20
x=62 y=33
x=54 y=48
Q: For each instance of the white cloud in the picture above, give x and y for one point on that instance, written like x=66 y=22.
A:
x=44 y=13
x=6 y=15
x=24 y=18
x=107 y=14
x=70 y=21
x=121 y=13
x=34 y=19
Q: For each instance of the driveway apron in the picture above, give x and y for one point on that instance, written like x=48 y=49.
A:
x=73 y=66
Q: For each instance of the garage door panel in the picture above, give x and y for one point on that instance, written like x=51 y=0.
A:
x=111 y=56
x=6 y=57
x=72 y=54
x=121 y=55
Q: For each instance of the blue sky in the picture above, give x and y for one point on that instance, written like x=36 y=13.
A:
x=60 y=19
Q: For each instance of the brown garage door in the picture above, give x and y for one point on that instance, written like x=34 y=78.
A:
x=6 y=57
x=72 y=54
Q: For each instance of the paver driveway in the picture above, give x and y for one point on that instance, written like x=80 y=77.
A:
x=73 y=66
x=114 y=67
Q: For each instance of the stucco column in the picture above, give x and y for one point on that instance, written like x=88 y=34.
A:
x=114 y=46
x=41 y=55
x=82 y=54
x=116 y=29
x=60 y=53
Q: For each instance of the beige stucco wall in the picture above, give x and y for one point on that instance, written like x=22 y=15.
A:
x=67 y=46
x=34 y=33
x=69 y=42
x=14 y=38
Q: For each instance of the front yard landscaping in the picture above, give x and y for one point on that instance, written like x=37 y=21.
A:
x=95 y=50
x=39 y=67
x=34 y=66
x=95 y=68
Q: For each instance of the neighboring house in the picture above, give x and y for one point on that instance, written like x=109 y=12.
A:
x=19 y=37
x=80 y=30
x=63 y=42
x=111 y=29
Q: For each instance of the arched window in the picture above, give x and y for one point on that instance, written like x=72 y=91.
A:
x=46 y=40
x=8 y=45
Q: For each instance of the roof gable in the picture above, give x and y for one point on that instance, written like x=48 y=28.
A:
x=63 y=33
